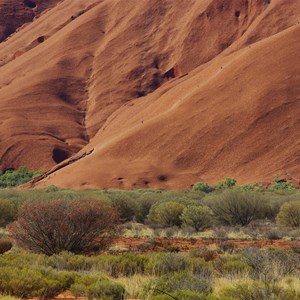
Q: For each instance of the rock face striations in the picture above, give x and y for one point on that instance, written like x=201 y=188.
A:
x=15 y=13
x=165 y=92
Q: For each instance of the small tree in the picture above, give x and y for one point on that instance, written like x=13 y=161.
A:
x=226 y=184
x=78 y=226
x=198 y=217
x=238 y=208
x=166 y=214
x=125 y=205
x=289 y=214
x=281 y=185
x=203 y=187
x=17 y=177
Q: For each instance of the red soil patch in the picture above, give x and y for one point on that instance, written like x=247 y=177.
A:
x=66 y=295
x=141 y=245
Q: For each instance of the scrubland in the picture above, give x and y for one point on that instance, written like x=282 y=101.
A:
x=54 y=240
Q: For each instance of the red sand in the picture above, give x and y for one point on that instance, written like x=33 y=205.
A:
x=167 y=93
x=136 y=244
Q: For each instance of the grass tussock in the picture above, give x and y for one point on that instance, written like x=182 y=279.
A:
x=205 y=273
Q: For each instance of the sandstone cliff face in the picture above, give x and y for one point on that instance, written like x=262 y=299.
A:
x=166 y=92
x=15 y=13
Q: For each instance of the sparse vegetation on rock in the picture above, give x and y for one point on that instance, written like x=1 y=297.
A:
x=203 y=187
x=13 y=178
x=281 y=185
x=226 y=184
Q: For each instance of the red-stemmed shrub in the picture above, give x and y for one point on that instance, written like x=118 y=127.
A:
x=78 y=226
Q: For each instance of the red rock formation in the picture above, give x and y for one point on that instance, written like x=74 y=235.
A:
x=180 y=90
x=16 y=13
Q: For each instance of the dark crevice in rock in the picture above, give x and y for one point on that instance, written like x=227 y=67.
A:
x=41 y=39
x=59 y=155
x=156 y=63
x=170 y=74
x=30 y=4
x=162 y=178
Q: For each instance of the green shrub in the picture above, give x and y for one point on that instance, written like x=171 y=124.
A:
x=281 y=185
x=125 y=206
x=238 y=208
x=246 y=187
x=270 y=264
x=143 y=206
x=15 y=178
x=258 y=290
x=179 y=282
x=198 y=217
x=51 y=189
x=7 y=297
x=8 y=212
x=71 y=262
x=26 y=283
x=166 y=214
x=273 y=202
x=22 y=260
x=231 y=265
x=199 y=266
x=97 y=287
x=202 y=186
x=226 y=184
x=164 y=263
x=80 y=263
x=189 y=295
x=125 y=265
x=289 y=214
